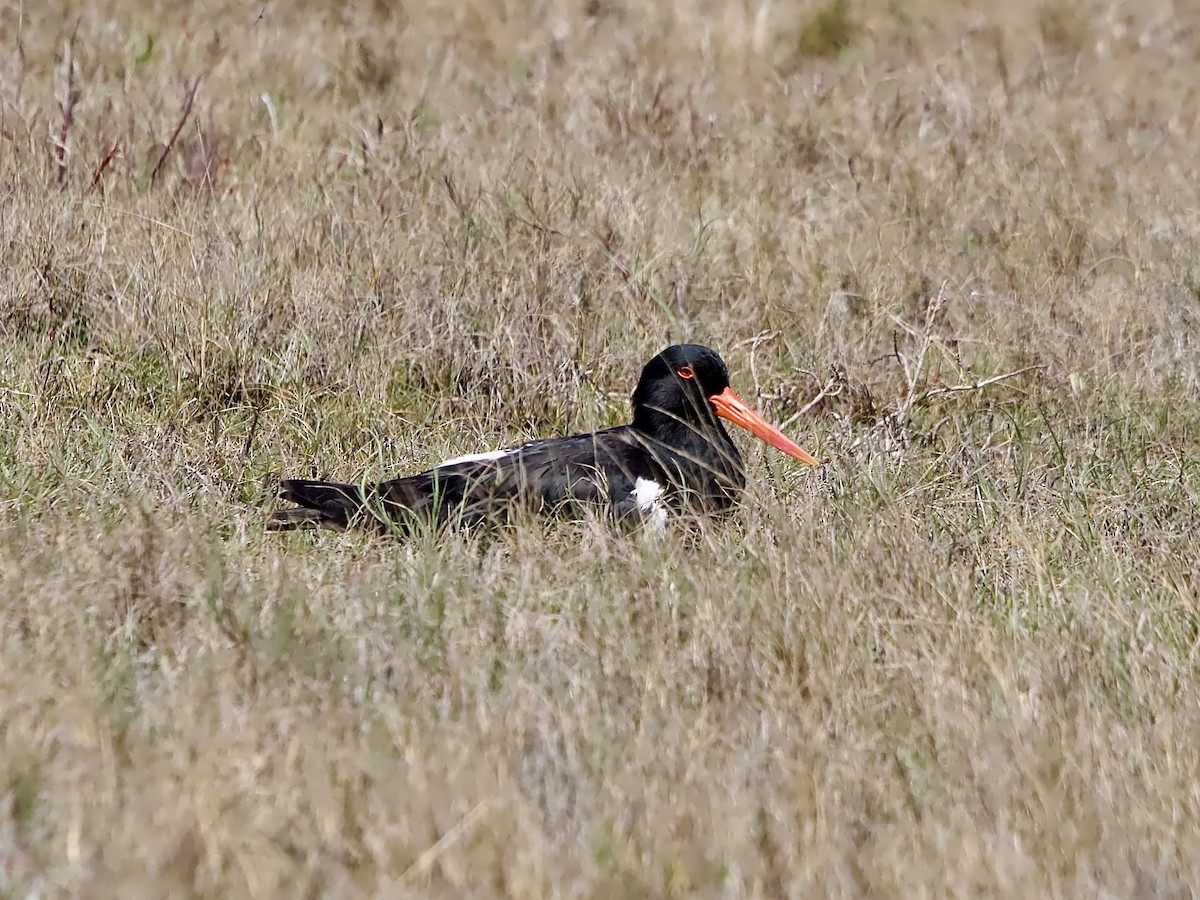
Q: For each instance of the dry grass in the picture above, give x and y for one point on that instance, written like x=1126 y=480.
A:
x=959 y=660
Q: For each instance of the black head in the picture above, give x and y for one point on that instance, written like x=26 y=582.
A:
x=682 y=392
x=675 y=387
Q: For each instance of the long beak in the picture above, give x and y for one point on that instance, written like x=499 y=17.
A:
x=730 y=406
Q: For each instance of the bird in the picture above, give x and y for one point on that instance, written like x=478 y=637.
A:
x=674 y=457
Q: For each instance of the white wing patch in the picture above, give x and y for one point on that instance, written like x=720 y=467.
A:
x=647 y=494
x=476 y=457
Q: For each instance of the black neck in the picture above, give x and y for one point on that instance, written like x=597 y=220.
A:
x=696 y=450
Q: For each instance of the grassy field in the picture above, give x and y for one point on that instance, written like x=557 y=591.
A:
x=959 y=255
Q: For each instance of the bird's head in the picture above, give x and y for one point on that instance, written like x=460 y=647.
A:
x=686 y=386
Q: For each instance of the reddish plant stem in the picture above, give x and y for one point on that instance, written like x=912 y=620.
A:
x=188 y=100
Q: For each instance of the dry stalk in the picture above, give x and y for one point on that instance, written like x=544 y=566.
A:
x=609 y=240
x=70 y=98
x=458 y=830
x=914 y=375
x=188 y=99
x=978 y=385
x=831 y=388
x=754 y=342
x=893 y=425
x=104 y=163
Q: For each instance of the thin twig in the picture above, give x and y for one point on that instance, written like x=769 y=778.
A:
x=831 y=388
x=158 y=223
x=978 y=385
x=931 y=313
x=251 y=434
x=425 y=861
x=614 y=255
x=108 y=158
x=188 y=100
x=900 y=356
x=755 y=341
x=1098 y=263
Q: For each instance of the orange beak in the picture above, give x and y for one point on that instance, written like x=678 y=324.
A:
x=730 y=406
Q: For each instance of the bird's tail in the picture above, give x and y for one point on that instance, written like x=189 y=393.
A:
x=320 y=504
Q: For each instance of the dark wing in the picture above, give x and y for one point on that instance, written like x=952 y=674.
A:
x=548 y=475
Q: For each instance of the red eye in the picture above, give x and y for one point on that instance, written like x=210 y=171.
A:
x=685 y=372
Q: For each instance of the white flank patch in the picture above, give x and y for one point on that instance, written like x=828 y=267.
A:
x=476 y=457
x=647 y=495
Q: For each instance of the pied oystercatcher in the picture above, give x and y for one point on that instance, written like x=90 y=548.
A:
x=675 y=455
